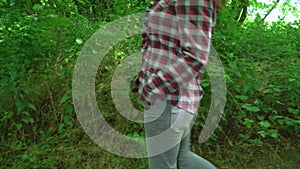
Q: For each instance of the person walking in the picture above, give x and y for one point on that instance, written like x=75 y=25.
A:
x=176 y=44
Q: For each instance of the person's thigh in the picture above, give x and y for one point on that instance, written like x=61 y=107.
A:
x=165 y=126
x=186 y=158
x=157 y=121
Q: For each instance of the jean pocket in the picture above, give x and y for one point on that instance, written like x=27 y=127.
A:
x=181 y=120
x=155 y=111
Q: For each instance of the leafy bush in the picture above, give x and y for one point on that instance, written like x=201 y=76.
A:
x=39 y=44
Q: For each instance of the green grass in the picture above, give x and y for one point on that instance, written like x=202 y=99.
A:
x=75 y=150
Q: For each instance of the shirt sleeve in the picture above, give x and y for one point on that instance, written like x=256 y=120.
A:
x=196 y=22
x=194 y=30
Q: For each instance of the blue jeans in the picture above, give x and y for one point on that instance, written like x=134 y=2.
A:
x=168 y=138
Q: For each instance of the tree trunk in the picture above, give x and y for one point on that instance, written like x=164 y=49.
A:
x=241 y=9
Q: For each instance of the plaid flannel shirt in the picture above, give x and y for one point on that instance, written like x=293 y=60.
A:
x=175 y=47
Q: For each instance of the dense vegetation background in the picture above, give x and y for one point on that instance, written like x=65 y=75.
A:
x=40 y=41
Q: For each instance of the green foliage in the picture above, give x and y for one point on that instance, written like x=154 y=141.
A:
x=262 y=77
x=39 y=44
